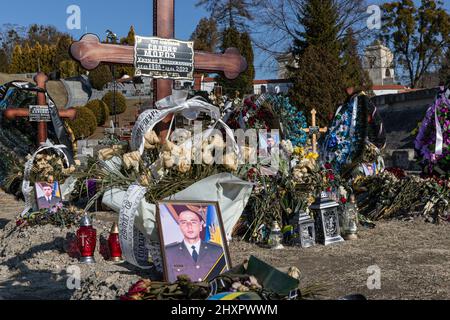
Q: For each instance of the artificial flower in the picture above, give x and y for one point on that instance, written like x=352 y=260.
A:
x=299 y=151
x=151 y=140
x=230 y=161
x=312 y=156
x=106 y=154
x=131 y=160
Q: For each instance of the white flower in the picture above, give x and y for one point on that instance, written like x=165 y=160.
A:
x=230 y=161
x=287 y=146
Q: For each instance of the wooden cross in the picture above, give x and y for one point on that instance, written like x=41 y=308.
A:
x=90 y=53
x=314 y=130
x=14 y=113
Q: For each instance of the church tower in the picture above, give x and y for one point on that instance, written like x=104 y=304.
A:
x=379 y=63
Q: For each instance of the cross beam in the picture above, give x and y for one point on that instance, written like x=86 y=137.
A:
x=14 y=113
x=314 y=130
x=90 y=52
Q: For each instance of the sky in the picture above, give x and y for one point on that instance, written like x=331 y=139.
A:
x=117 y=15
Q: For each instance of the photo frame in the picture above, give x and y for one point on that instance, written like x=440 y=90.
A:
x=48 y=195
x=193 y=240
x=268 y=141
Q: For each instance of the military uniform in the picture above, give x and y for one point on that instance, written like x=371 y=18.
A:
x=210 y=262
x=43 y=203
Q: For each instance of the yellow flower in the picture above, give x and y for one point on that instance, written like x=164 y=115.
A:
x=312 y=156
x=299 y=151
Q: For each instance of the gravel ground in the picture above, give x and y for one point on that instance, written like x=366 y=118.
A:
x=413 y=257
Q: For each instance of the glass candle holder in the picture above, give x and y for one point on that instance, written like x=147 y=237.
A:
x=114 y=244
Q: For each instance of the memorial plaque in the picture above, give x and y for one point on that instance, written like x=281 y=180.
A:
x=164 y=58
x=40 y=114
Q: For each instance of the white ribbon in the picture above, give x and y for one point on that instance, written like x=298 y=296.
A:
x=439 y=137
x=175 y=103
x=26 y=189
x=132 y=241
x=135 y=246
x=138 y=217
x=354 y=116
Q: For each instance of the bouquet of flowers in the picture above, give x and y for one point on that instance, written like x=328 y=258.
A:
x=249 y=115
x=293 y=121
x=57 y=216
x=433 y=139
x=345 y=140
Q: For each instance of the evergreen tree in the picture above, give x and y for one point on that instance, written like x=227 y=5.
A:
x=16 y=60
x=68 y=68
x=4 y=63
x=122 y=70
x=320 y=22
x=100 y=76
x=62 y=50
x=352 y=70
x=318 y=79
x=247 y=53
x=205 y=36
x=130 y=39
x=37 y=63
x=228 y=13
x=47 y=58
x=242 y=84
x=318 y=83
x=28 y=60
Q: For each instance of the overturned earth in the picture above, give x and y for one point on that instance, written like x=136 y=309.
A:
x=413 y=258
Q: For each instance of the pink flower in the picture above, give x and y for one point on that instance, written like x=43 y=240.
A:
x=139 y=287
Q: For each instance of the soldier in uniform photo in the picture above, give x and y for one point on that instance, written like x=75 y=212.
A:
x=200 y=260
x=47 y=201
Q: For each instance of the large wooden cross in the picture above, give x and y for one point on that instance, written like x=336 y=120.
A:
x=90 y=53
x=14 y=113
x=314 y=130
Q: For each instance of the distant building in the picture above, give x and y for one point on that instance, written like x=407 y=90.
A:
x=259 y=86
x=381 y=90
x=284 y=61
x=378 y=61
x=271 y=86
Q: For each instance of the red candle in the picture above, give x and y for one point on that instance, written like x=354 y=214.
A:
x=114 y=244
x=86 y=240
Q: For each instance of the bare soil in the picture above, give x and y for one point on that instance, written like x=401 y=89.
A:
x=413 y=257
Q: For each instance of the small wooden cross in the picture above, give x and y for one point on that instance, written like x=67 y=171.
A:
x=14 y=113
x=90 y=53
x=314 y=130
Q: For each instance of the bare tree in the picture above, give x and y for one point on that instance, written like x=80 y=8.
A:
x=229 y=13
x=277 y=25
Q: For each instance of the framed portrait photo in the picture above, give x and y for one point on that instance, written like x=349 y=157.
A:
x=193 y=240
x=48 y=195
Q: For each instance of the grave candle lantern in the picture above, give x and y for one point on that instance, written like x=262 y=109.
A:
x=304 y=230
x=114 y=244
x=275 y=237
x=351 y=220
x=86 y=240
x=327 y=220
